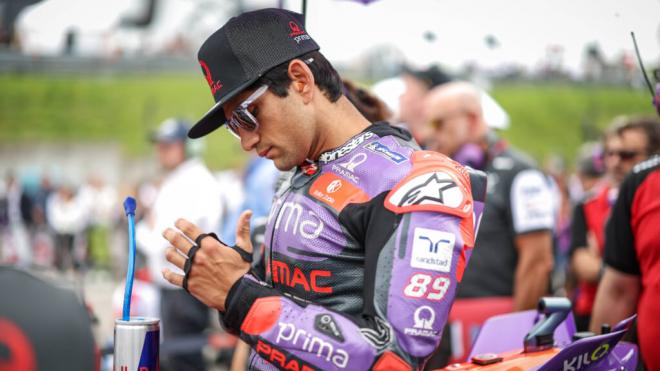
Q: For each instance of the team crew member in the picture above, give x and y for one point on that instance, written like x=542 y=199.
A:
x=588 y=226
x=631 y=282
x=181 y=314
x=366 y=240
x=513 y=257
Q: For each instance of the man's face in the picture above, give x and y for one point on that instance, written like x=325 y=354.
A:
x=449 y=126
x=171 y=154
x=614 y=164
x=284 y=134
x=635 y=142
x=411 y=106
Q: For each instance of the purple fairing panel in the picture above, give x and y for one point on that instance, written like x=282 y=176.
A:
x=624 y=354
x=320 y=337
x=506 y=332
x=587 y=354
x=423 y=279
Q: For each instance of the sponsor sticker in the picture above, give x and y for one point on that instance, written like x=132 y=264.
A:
x=289 y=336
x=424 y=319
x=386 y=152
x=346 y=148
x=432 y=249
x=325 y=324
x=336 y=191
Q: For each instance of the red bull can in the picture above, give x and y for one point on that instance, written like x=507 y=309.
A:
x=137 y=344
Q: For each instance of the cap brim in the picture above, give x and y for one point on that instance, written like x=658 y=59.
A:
x=215 y=118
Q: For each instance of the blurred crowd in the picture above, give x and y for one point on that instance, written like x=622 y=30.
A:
x=542 y=232
x=62 y=226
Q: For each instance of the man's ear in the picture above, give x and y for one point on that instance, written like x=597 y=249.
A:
x=302 y=79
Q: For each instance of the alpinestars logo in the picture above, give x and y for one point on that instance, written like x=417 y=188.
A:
x=346 y=148
x=214 y=85
x=436 y=188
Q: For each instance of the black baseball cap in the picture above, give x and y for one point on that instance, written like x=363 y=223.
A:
x=241 y=51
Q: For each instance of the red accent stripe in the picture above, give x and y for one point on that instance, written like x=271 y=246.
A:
x=263 y=315
x=391 y=362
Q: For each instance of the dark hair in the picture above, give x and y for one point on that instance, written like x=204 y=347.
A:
x=369 y=105
x=325 y=77
x=651 y=128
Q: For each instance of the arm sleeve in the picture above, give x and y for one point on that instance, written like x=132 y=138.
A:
x=619 y=239
x=578 y=229
x=531 y=202
x=413 y=263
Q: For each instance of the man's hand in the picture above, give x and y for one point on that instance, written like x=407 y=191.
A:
x=215 y=267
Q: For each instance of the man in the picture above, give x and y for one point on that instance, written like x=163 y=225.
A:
x=181 y=314
x=513 y=254
x=632 y=263
x=588 y=226
x=366 y=240
x=417 y=85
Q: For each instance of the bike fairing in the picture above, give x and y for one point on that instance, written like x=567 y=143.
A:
x=361 y=270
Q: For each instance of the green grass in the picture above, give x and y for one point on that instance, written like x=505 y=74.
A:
x=556 y=119
x=545 y=118
x=123 y=109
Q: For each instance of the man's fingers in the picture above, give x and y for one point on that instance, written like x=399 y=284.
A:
x=177 y=240
x=174 y=257
x=189 y=229
x=173 y=278
x=243 y=231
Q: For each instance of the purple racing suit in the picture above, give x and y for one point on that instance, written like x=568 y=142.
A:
x=363 y=252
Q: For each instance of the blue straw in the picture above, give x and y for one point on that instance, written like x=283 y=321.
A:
x=129 y=209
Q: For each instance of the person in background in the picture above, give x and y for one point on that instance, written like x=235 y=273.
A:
x=418 y=83
x=67 y=217
x=188 y=188
x=512 y=260
x=631 y=279
x=101 y=203
x=589 y=170
x=17 y=210
x=588 y=227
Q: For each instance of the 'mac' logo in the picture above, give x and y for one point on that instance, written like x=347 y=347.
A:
x=214 y=85
x=282 y=274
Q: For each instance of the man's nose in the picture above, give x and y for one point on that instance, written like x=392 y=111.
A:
x=249 y=139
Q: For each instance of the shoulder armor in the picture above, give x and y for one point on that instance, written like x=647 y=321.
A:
x=435 y=183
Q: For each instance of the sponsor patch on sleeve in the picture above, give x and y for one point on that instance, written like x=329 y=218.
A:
x=336 y=191
x=432 y=249
x=434 y=184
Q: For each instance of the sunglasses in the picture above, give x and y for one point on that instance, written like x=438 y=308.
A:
x=623 y=155
x=241 y=116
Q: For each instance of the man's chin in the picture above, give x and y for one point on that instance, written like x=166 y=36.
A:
x=282 y=165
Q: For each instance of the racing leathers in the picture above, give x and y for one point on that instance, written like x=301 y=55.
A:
x=364 y=250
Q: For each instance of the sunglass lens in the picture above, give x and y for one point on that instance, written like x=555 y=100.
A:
x=245 y=120
x=627 y=155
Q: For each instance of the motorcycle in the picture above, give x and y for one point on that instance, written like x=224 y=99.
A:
x=549 y=342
